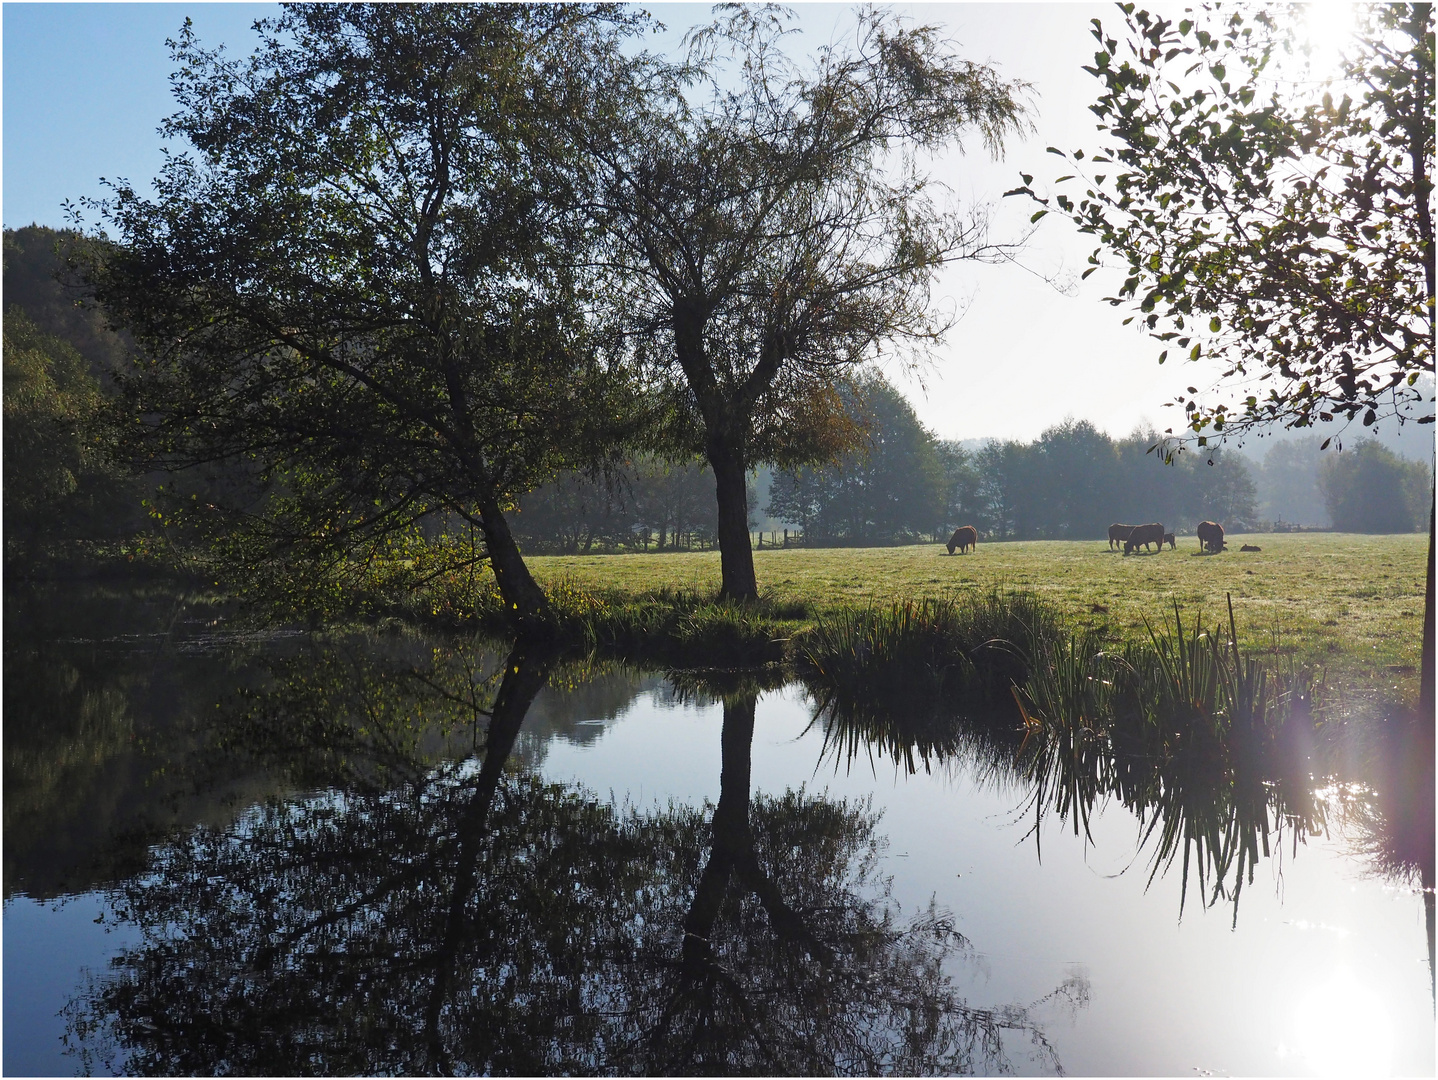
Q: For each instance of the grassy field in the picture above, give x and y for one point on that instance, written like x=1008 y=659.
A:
x=1353 y=603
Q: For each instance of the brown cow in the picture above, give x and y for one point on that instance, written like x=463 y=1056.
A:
x=1170 y=541
x=1145 y=535
x=1118 y=533
x=1210 y=537
x=965 y=537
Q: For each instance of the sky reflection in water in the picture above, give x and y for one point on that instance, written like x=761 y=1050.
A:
x=1067 y=961
x=1167 y=995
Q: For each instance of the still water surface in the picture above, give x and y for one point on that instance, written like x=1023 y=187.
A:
x=302 y=854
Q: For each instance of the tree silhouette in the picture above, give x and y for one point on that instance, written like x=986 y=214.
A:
x=766 y=238
x=357 y=292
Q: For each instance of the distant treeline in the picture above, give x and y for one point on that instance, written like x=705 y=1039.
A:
x=648 y=504
x=1365 y=488
x=62 y=484
x=61 y=481
x=1071 y=483
x=905 y=485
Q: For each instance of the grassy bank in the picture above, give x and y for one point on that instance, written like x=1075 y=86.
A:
x=1352 y=603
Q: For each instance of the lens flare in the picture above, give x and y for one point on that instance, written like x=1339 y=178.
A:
x=1342 y=1028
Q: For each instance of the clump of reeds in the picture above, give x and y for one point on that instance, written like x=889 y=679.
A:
x=927 y=654
x=1185 y=681
x=1198 y=740
x=899 y=680
x=686 y=631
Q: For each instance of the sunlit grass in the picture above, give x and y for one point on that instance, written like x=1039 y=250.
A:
x=1347 y=602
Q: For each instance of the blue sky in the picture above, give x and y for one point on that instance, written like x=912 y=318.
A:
x=85 y=87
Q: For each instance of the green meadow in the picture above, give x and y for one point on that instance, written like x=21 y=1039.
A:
x=1347 y=602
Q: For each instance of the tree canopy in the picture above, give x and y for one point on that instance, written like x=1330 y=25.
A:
x=1368 y=488
x=359 y=284
x=889 y=487
x=1284 y=231
x=770 y=227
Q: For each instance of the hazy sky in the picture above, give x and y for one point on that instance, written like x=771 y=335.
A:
x=85 y=86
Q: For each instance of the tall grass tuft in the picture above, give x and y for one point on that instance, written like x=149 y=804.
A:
x=685 y=630
x=899 y=680
x=1195 y=738
x=938 y=656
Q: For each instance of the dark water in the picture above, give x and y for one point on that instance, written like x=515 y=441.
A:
x=392 y=854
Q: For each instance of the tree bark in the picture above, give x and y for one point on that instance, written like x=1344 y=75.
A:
x=524 y=601
x=1425 y=678
x=736 y=558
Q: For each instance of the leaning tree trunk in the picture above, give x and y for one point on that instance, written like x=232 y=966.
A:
x=524 y=601
x=736 y=557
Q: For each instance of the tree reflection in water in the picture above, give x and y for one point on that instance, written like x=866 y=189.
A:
x=469 y=918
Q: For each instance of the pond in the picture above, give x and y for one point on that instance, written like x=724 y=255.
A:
x=393 y=853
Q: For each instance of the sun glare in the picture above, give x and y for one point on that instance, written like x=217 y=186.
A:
x=1342 y=1028
x=1327 y=27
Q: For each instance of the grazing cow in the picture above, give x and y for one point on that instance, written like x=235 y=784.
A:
x=1145 y=535
x=1169 y=540
x=1250 y=547
x=965 y=537
x=1118 y=533
x=1210 y=537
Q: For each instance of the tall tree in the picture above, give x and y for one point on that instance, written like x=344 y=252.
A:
x=359 y=285
x=961 y=486
x=1282 y=228
x=1077 y=463
x=772 y=228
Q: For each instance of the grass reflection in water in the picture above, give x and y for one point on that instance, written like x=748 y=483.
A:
x=427 y=915
x=1221 y=757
